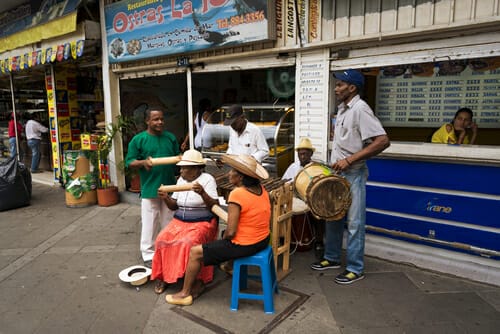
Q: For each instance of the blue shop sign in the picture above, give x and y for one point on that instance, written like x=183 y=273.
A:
x=150 y=28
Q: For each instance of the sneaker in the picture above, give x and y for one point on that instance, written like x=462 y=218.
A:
x=348 y=277
x=325 y=264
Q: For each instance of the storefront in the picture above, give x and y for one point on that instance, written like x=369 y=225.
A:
x=215 y=69
x=50 y=67
x=431 y=204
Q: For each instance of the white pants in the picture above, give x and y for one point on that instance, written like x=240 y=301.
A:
x=155 y=215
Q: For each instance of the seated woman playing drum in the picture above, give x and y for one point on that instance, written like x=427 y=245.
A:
x=193 y=223
x=247 y=232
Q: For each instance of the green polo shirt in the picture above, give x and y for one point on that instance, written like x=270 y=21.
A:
x=145 y=145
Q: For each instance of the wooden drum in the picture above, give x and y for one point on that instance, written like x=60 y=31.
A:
x=327 y=195
x=302 y=232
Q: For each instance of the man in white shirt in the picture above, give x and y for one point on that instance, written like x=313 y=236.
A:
x=34 y=132
x=305 y=151
x=244 y=136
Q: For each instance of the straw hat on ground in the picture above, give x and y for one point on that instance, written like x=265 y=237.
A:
x=135 y=275
x=246 y=164
x=305 y=143
x=191 y=158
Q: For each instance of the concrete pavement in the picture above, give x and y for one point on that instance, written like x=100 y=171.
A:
x=59 y=274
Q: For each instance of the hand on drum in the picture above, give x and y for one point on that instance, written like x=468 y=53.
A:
x=341 y=165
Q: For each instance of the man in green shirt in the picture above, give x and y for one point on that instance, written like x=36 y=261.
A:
x=154 y=142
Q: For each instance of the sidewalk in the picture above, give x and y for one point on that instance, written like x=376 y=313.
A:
x=59 y=274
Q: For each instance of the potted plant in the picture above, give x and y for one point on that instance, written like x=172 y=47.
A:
x=132 y=177
x=107 y=192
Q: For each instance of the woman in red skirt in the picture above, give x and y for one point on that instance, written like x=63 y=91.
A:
x=193 y=223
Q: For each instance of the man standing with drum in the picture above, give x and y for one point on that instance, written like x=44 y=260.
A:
x=358 y=136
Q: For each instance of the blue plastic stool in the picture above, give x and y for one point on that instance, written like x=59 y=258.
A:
x=264 y=259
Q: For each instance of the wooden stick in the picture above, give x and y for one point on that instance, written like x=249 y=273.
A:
x=175 y=187
x=165 y=160
x=219 y=212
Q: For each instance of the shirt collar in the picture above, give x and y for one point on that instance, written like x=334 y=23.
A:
x=345 y=106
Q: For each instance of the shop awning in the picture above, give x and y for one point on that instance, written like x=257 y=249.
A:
x=63 y=25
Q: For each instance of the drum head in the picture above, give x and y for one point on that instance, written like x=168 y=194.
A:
x=306 y=175
x=329 y=197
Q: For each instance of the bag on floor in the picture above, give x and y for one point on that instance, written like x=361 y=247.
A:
x=15 y=184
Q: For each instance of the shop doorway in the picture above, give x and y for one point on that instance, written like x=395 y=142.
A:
x=30 y=100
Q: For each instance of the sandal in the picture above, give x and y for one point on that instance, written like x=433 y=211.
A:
x=227 y=267
x=186 y=301
x=160 y=287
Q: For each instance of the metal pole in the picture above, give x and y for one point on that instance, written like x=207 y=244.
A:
x=14 y=113
x=190 y=108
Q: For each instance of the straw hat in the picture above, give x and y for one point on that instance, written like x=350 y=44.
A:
x=246 y=164
x=305 y=143
x=135 y=275
x=191 y=158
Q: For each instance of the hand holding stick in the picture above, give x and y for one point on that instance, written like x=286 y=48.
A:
x=219 y=212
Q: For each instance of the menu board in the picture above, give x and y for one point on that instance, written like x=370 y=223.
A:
x=311 y=102
x=418 y=101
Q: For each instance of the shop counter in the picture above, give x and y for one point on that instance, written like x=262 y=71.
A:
x=439 y=195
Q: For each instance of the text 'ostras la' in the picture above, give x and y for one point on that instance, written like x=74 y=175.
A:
x=123 y=21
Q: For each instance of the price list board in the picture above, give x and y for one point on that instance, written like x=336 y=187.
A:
x=312 y=107
x=413 y=101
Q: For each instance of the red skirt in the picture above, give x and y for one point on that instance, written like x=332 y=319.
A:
x=172 y=248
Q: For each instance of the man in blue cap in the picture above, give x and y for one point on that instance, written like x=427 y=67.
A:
x=358 y=136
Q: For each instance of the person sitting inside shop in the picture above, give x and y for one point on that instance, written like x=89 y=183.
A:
x=193 y=223
x=305 y=151
x=461 y=130
x=247 y=232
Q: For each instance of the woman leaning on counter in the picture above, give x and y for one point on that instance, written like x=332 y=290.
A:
x=461 y=130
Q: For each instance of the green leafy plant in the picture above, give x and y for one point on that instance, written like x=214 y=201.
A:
x=104 y=147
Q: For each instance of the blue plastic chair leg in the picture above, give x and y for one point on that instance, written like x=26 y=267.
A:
x=264 y=260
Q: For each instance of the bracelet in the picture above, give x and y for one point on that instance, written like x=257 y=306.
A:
x=347 y=161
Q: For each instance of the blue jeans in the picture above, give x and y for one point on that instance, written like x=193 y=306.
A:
x=34 y=145
x=13 y=148
x=355 y=219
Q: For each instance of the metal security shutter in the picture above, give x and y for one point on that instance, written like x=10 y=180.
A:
x=464 y=47
x=245 y=63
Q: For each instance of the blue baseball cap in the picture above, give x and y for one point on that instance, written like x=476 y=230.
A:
x=350 y=76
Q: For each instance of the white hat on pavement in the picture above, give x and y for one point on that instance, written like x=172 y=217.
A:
x=135 y=275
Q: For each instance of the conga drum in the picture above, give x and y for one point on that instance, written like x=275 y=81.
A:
x=327 y=194
x=302 y=233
